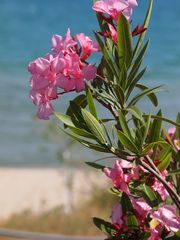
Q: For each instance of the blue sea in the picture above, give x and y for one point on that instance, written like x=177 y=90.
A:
x=26 y=27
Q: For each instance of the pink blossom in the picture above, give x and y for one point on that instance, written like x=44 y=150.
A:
x=171 y=132
x=141 y=208
x=117 y=214
x=117 y=175
x=166 y=215
x=65 y=69
x=61 y=44
x=115 y=7
x=113 y=32
x=159 y=187
x=154 y=234
x=87 y=45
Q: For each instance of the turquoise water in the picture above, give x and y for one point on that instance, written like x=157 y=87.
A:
x=26 y=27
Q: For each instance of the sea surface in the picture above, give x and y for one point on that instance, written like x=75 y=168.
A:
x=26 y=27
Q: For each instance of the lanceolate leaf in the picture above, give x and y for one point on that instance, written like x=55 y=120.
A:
x=91 y=104
x=106 y=55
x=80 y=101
x=162 y=144
x=150 y=196
x=93 y=125
x=132 y=222
x=144 y=93
x=133 y=84
x=95 y=165
x=165 y=162
x=146 y=23
x=137 y=63
x=135 y=111
x=106 y=227
x=174 y=172
x=151 y=96
x=82 y=132
x=124 y=125
x=127 y=142
x=155 y=129
x=147 y=125
x=87 y=144
x=123 y=76
x=124 y=41
x=64 y=118
x=126 y=203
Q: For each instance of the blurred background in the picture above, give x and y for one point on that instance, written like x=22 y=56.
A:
x=27 y=144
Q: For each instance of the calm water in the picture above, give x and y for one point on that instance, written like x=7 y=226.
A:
x=26 y=27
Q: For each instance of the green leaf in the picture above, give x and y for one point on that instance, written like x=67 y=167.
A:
x=119 y=93
x=133 y=84
x=147 y=125
x=106 y=55
x=174 y=172
x=165 y=162
x=87 y=144
x=137 y=63
x=95 y=165
x=123 y=76
x=178 y=129
x=149 y=146
x=124 y=124
x=146 y=23
x=144 y=93
x=151 y=96
x=127 y=143
x=132 y=222
x=64 y=118
x=155 y=129
x=105 y=227
x=93 y=125
x=91 y=104
x=80 y=101
x=82 y=132
x=126 y=204
x=150 y=196
x=124 y=41
x=135 y=111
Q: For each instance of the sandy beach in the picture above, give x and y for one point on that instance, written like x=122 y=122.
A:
x=42 y=189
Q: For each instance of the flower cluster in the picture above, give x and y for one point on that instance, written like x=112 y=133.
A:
x=66 y=68
x=122 y=175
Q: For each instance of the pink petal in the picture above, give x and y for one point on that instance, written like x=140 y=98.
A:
x=89 y=71
x=45 y=111
x=38 y=82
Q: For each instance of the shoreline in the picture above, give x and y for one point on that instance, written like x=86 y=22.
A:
x=42 y=189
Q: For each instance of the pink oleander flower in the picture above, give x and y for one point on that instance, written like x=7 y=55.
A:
x=159 y=187
x=62 y=44
x=172 y=134
x=155 y=234
x=64 y=69
x=119 y=178
x=141 y=209
x=166 y=215
x=114 y=8
x=117 y=215
x=113 y=33
x=87 y=45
